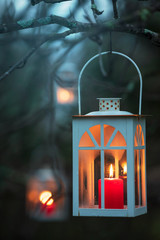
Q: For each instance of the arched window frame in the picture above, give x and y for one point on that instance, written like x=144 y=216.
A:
x=102 y=148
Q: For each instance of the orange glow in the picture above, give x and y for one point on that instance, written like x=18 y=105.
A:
x=111 y=171
x=33 y=196
x=65 y=95
x=46 y=198
x=118 y=140
x=125 y=169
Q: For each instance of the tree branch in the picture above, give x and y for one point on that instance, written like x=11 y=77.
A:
x=141 y=32
x=95 y=10
x=24 y=59
x=34 y=2
x=91 y=30
x=52 y=19
x=83 y=27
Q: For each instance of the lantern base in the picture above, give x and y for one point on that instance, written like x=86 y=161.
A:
x=96 y=212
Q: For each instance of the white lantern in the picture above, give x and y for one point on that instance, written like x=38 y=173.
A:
x=109 y=160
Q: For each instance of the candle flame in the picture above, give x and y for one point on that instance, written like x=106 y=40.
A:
x=46 y=198
x=111 y=171
x=125 y=169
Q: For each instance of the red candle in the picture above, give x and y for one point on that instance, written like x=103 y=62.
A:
x=113 y=193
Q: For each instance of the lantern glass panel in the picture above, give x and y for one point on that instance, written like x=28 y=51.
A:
x=118 y=140
x=96 y=132
x=139 y=137
x=108 y=131
x=143 y=184
x=86 y=141
x=140 y=197
x=115 y=181
x=89 y=173
x=137 y=178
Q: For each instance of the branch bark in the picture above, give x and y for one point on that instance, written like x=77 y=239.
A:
x=52 y=19
x=78 y=27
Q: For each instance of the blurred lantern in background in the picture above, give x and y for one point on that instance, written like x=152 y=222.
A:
x=46 y=195
x=109 y=163
x=65 y=83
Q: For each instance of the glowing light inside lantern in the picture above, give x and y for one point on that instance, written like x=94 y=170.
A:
x=46 y=198
x=125 y=169
x=65 y=95
x=111 y=171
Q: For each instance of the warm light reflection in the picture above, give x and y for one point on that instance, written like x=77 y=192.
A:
x=125 y=169
x=46 y=198
x=65 y=95
x=111 y=171
x=33 y=196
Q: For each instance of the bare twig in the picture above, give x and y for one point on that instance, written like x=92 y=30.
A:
x=19 y=64
x=95 y=10
x=24 y=59
x=115 y=11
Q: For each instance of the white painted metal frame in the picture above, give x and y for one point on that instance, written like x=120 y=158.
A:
x=126 y=126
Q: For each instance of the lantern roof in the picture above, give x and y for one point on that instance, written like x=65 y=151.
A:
x=109 y=107
x=109 y=113
x=103 y=116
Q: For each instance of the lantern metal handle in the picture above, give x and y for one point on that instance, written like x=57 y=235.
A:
x=103 y=53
